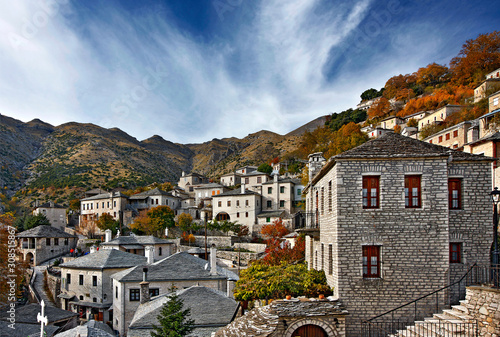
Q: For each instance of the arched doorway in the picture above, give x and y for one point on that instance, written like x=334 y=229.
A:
x=29 y=258
x=223 y=216
x=309 y=330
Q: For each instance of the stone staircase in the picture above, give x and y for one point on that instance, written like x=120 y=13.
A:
x=454 y=322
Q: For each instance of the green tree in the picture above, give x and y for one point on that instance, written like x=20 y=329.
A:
x=265 y=168
x=154 y=221
x=186 y=224
x=370 y=94
x=33 y=221
x=173 y=319
x=106 y=221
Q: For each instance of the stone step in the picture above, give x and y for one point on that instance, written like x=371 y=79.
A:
x=461 y=308
x=460 y=315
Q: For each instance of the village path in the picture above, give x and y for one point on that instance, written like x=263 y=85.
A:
x=38 y=285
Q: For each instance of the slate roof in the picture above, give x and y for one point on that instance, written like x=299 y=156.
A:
x=198 y=299
x=23 y=329
x=145 y=194
x=266 y=214
x=176 y=267
x=263 y=321
x=50 y=205
x=211 y=185
x=106 y=196
x=493 y=137
x=135 y=240
x=90 y=329
x=286 y=180
x=45 y=232
x=106 y=259
x=235 y=192
x=28 y=313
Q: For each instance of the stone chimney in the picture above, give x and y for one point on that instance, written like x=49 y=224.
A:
x=150 y=254
x=213 y=260
x=93 y=249
x=118 y=234
x=107 y=235
x=316 y=163
x=144 y=286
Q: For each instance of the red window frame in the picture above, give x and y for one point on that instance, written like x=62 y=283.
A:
x=455 y=134
x=455 y=252
x=440 y=139
x=447 y=136
x=455 y=193
x=413 y=192
x=371 y=261
x=371 y=192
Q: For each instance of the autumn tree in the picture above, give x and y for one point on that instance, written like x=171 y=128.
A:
x=154 y=221
x=349 y=136
x=74 y=205
x=397 y=87
x=279 y=250
x=476 y=58
x=432 y=75
x=185 y=223
x=380 y=108
x=106 y=221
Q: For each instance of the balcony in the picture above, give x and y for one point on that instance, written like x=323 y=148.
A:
x=307 y=223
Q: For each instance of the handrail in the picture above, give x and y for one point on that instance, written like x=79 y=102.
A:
x=422 y=297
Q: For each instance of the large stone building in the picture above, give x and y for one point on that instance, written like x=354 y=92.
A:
x=55 y=213
x=43 y=243
x=395 y=219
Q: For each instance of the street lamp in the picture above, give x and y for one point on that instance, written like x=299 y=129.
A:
x=495 y=199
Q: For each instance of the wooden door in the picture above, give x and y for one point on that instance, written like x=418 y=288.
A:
x=309 y=330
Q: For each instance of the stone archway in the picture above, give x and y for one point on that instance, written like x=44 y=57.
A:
x=223 y=216
x=323 y=325
x=309 y=330
x=30 y=258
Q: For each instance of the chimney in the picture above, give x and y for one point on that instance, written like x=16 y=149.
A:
x=213 y=260
x=107 y=235
x=316 y=163
x=144 y=286
x=149 y=251
x=93 y=249
x=242 y=188
x=118 y=234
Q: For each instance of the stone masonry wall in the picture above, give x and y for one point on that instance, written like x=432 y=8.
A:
x=484 y=305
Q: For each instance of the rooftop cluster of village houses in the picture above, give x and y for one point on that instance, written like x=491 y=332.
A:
x=388 y=222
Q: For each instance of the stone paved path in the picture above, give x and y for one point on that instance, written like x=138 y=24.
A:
x=40 y=271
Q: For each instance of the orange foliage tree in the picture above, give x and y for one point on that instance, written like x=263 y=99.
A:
x=278 y=250
x=476 y=58
x=396 y=86
x=432 y=75
x=349 y=136
x=380 y=108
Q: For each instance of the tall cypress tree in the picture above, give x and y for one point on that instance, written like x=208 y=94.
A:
x=173 y=319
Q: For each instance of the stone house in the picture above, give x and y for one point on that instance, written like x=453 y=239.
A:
x=390 y=122
x=55 y=213
x=240 y=205
x=188 y=181
x=230 y=179
x=488 y=86
x=438 y=116
x=494 y=74
x=254 y=180
x=453 y=137
x=377 y=132
x=42 y=243
x=494 y=102
x=416 y=116
x=210 y=310
x=153 y=198
x=365 y=105
x=113 y=203
x=394 y=219
x=488 y=146
x=151 y=247
x=181 y=270
x=246 y=169
x=86 y=286
x=207 y=191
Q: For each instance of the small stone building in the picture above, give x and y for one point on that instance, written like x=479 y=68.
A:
x=55 y=213
x=43 y=243
x=394 y=219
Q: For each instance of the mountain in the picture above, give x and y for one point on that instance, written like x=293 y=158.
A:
x=37 y=155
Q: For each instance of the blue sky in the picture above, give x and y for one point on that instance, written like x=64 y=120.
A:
x=194 y=70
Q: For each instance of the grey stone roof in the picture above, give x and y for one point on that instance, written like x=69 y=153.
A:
x=45 y=232
x=90 y=329
x=493 y=137
x=28 y=313
x=266 y=214
x=209 y=308
x=155 y=191
x=263 y=321
x=136 y=240
x=176 y=267
x=106 y=196
x=23 y=329
x=393 y=145
x=106 y=259
x=235 y=192
x=254 y=173
x=286 y=180
x=210 y=185
x=50 y=205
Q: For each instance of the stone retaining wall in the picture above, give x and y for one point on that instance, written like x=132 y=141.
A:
x=483 y=304
x=54 y=285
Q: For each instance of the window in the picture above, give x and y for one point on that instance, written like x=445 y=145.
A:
x=430 y=141
x=81 y=298
x=154 y=292
x=440 y=139
x=371 y=261
x=94 y=281
x=282 y=189
x=219 y=203
x=108 y=204
x=237 y=214
x=229 y=203
x=322 y=200
x=246 y=214
x=80 y=280
x=56 y=241
x=269 y=190
x=103 y=204
x=371 y=188
x=259 y=180
x=68 y=278
x=116 y=292
x=268 y=219
x=94 y=299
x=495 y=101
x=135 y=295
x=330 y=259
x=114 y=203
x=455 y=193
x=66 y=241
x=247 y=180
x=282 y=203
x=160 y=252
x=47 y=241
x=299 y=191
x=96 y=205
x=246 y=202
x=412 y=192
x=455 y=252
x=330 y=196
x=447 y=136
x=269 y=204
x=238 y=203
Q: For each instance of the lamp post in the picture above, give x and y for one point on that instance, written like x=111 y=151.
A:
x=495 y=199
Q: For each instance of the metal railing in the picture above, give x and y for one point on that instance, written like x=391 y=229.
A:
x=406 y=315
x=426 y=329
